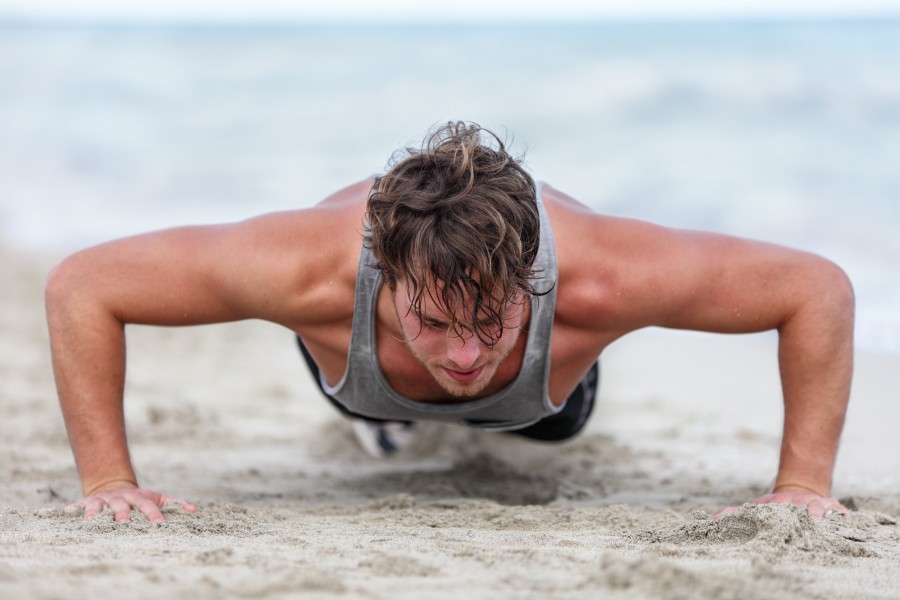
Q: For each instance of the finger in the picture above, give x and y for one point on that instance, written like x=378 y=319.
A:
x=162 y=499
x=150 y=510
x=121 y=510
x=185 y=505
x=833 y=506
x=93 y=506
x=726 y=511
x=816 y=508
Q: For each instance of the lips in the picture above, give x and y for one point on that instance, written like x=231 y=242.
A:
x=464 y=376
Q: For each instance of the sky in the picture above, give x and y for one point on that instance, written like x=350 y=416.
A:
x=227 y=10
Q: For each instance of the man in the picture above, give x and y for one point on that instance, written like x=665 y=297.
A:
x=451 y=289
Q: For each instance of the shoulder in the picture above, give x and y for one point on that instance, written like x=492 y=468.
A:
x=617 y=275
x=301 y=262
x=296 y=268
x=577 y=227
x=600 y=259
x=325 y=233
x=590 y=275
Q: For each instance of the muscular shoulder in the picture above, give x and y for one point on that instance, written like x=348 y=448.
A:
x=617 y=275
x=606 y=264
x=298 y=268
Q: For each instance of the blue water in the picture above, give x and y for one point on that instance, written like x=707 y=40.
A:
x=783 y=131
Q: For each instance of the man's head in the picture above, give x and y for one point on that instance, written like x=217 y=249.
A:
x=456 y=221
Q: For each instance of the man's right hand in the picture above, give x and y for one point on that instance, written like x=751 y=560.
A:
x=125 y=498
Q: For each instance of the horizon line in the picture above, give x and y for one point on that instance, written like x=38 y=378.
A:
x=419 y=19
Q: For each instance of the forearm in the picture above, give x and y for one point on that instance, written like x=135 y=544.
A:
x=88 y=352
x=816 y=362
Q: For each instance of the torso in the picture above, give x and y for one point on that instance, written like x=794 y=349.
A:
x=574 y=348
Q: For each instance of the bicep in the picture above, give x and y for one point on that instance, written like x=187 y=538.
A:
x=656 y=276
x=729 y=285
x=183 y=276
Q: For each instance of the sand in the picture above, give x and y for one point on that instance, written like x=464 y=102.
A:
x=226 y=417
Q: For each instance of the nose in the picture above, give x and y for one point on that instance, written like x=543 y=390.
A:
x=464 y=350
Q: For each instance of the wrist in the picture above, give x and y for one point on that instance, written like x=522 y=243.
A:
x=798 y=487
x=809 y=475
x=109 y=484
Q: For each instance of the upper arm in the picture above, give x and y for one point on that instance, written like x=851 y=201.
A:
x=712 y=282
x=621 y=275
x=275 y=267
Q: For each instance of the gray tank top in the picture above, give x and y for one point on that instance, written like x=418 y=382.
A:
x=364 y=390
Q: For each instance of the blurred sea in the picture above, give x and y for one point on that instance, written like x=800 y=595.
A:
x=783 y=131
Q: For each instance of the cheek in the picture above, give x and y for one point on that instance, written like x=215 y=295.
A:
x=508 y=340
x=419 y=336
x=427 y=346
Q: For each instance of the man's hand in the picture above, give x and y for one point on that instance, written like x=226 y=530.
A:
x=123 y=499
x=819 y=506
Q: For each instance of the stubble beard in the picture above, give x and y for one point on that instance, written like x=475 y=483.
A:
x=454 y=388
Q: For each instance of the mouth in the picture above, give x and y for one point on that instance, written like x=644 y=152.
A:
x=464 y=376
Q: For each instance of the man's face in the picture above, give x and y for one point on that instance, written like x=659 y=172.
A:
x=461 y=364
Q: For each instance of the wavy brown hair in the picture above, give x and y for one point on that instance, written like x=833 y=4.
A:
x=457 y=219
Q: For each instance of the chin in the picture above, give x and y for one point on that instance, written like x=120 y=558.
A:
x=463 y=390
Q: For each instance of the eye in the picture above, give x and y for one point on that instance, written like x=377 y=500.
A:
x=434 y=324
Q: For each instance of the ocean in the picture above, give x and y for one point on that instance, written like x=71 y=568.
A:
x=786 y=131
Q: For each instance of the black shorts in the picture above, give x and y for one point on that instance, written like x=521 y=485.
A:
x=561 y=426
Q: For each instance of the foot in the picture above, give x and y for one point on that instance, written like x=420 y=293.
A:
x=382 y=439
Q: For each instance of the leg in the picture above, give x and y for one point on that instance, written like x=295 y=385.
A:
x=573 y=417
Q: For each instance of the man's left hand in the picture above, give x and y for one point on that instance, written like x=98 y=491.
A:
x=818 y=506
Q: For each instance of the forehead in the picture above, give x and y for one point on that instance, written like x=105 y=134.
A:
x=429 y=301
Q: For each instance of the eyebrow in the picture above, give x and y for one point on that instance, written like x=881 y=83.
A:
x=443 y=320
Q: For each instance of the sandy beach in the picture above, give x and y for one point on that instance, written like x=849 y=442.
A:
x=227 y=417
